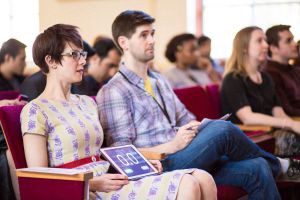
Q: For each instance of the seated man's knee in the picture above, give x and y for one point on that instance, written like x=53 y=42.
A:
x=222 y=126
x=261 y=169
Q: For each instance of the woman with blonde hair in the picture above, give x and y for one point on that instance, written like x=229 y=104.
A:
x=249 y=94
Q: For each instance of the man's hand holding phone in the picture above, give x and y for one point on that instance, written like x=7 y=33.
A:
x=185 y=135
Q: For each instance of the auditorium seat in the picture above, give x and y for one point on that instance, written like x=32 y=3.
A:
x=8 y=94
x=34 y=185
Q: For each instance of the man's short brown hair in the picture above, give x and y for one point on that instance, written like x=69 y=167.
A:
x=52 y=42
x=126 y=23
x=11 y=47
x=273 y=35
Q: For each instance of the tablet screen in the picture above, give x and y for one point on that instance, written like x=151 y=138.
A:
x=128 y=161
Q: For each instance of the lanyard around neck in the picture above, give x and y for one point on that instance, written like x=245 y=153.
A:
x=163 y=109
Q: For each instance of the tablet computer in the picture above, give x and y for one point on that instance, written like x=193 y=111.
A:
x=129 y=161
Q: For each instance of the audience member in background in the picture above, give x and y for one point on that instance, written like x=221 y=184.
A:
x=204 y=47
x=59 y=127
x=182 y=51
x=99 y=37
x=12 y=64
x=286 y=77
x=249 y=94
x=296 y=61
x=35 y=84
x=102 y=66
x=139 y=107
x=204 y=63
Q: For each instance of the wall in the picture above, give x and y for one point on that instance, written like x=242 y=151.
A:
x=94 y=17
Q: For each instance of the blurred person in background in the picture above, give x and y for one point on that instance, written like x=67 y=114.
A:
x=204 y=47
x=12 y=64
x=249 y=93
x=103 y=65
x=297 y=60
x=286 y=77
x=110 y=57
x=182 y=51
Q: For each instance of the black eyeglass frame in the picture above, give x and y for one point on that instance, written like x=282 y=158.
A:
x=76 y=54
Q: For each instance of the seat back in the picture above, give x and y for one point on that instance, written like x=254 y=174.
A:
x=10 y=122
x=213 y=92
x=198 y=101
x=38 y=185
x=8 y=94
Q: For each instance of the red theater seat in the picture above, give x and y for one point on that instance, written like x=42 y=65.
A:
x=35 y=185
x=205 y=103
x=8 y=95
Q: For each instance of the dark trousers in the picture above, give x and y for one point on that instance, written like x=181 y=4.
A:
x=6 y=188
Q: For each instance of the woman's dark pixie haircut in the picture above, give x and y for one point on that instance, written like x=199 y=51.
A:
x=126 y=23
x=52 y=42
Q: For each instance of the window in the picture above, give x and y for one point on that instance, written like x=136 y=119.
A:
x=20 y=20
x=222 y=19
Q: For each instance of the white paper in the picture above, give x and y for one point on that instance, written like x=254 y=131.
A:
x=205 y=121
x=50 y=170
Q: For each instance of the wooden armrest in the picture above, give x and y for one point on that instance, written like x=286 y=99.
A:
x=150 y=155
x=47 y=185
x=82 y=176
x=254 y=128
x=296 y=118
x=261 y=138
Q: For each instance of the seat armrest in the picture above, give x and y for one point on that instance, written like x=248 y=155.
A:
x=150 y=155
x=82 y=176
x=49 y=186
x=261 y=138
x=254 y=127
x=296 y=118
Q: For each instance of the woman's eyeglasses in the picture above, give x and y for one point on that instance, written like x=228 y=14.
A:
x=76 y=54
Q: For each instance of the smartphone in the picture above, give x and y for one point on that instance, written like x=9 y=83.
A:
x=225 y=117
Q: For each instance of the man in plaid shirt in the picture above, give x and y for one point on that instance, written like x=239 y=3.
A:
x=139 y=107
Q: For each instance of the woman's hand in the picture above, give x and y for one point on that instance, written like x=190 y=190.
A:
x=157 y=164
x=92 y=195
x=108 y=182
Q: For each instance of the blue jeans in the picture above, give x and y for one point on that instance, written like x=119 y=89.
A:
x=225 y=151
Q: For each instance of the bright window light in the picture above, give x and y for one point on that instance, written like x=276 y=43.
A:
x=222 y=19
x=20 y=20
